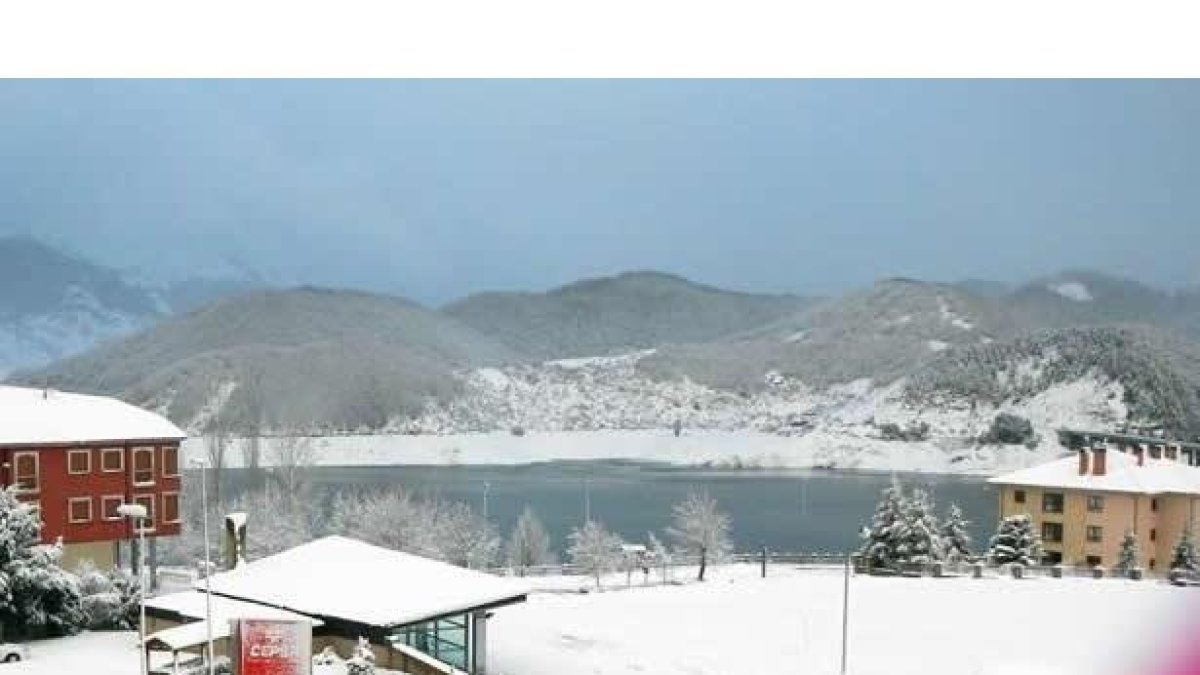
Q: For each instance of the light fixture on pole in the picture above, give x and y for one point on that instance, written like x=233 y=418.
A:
x=208 y=639
x=486 y=486
x=136 y=513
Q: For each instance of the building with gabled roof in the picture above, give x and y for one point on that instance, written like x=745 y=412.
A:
x=1084 y=504
x=76 y=458
x=420 y=615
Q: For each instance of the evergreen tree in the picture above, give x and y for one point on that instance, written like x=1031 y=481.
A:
x=956 y=538
x=1127 y=558
x=1184 y=557
x=919 y=538
x=880 y=548
x=37 y=597
x=1016 y=541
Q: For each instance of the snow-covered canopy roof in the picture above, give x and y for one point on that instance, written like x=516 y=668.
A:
x=1122 y=474
x=45 y=416
x=191 y=605
x=338 y=577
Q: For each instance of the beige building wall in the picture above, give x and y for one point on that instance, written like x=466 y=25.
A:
x=1121 y=512
x=101 y=553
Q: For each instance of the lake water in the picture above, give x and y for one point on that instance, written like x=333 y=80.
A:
x=786 y=510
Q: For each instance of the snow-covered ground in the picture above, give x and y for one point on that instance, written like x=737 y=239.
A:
x=737 y=623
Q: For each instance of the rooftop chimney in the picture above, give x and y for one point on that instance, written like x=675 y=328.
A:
x=1140 y=451
x=1172 y=452
x=1083 y=461
x=1099 y=461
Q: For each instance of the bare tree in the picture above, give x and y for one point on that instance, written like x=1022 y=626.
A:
x=253 y=416
x=216 y=447
x=594 y=549
x=293 y=457
x=529 y=544
x=700 y=528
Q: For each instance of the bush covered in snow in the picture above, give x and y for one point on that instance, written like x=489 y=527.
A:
x=110 y=599
x=1128 y=557
x=1016 y=542
x=1184 y=556
x=1008 y=429
x=37 y=597
x=917 y=431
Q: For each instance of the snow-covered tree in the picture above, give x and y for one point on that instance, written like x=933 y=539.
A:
x=920 y=539
x=37 y=597
x=461 y=536
x=956 y=538
x=277 y=520
x=390 y=518
x=362 y=662
x=1127 y=557
x=699 y=527
x=1184 y=556
x=661 y=555
x=881 y=545
x=529 y=544
x=110 y=599
x=1016 y=541
x=594 y=549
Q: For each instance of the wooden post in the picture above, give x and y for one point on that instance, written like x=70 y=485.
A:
x=764 y=562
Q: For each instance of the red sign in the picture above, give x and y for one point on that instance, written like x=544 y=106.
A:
x=273 y=647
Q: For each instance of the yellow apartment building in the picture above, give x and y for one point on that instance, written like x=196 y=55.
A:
x=1083 y=504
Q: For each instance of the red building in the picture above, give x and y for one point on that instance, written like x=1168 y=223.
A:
x=80 y=457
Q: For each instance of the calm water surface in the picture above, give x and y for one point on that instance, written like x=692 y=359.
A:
x=786 y=510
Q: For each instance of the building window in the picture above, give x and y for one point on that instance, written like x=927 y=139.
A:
x=26 y=473
x=170 y=509
x=1052 y=533
x=1153 y=534
x=1019 y=496
x=1154 y=503
x=1095 y=534
x=1095 y=503
x=1052 y=558
x=170 y=461
x=109 y=506
x=444 y=639
x=148 y=502
x=1152 y=562
x=79 y=461
x=143 y=466
x=112 y=460
x=1052 y=502
x=79 y=509
x=1093 y=561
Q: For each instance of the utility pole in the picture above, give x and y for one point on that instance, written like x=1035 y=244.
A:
x=845 y=612
x=587 y=503
x=486 y=486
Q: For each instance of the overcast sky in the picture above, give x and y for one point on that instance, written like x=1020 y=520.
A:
x=437 y=189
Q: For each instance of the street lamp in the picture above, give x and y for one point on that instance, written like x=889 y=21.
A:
x=486 y=486
x=137 y=514
x=203 y=466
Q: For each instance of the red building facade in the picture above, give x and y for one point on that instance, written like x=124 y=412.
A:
x=77 y=483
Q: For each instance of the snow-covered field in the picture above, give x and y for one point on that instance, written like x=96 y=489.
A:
x=790 y=622
x=737 y=623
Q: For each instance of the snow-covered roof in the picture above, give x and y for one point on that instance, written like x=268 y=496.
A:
x=45 y=416
x=338 y=577
x=1122 y=474
x=191 y=605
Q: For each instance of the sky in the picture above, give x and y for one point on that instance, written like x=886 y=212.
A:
x=436 y=189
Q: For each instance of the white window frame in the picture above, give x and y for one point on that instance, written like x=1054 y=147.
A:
x=37 y=471
x=119 y=499
x=71 y=502
x=178 y=508
x=85 y=451
x=164 y=450
x=133 y=454
x=150 y=511
x=120 y=465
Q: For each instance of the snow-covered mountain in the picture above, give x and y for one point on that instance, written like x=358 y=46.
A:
x=53 y=305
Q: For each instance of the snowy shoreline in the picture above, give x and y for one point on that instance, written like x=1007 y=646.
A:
x=731 y=450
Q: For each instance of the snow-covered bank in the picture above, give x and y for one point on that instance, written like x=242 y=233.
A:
x=791 y=622
x=725 y=449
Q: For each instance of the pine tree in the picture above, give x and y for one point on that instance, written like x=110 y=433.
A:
x=880 y=548
x=1127 y=558
x=529 y=544
x=594 y=549
x=700 y=528
x=1184 y=557
x=37 y=597
x=956 y=538
x=1016 y=541
x=919 y=539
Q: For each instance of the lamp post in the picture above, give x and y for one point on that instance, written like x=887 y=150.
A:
x=587 y=503
x=203 y=466
x=486 y=486
x=136 y=513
